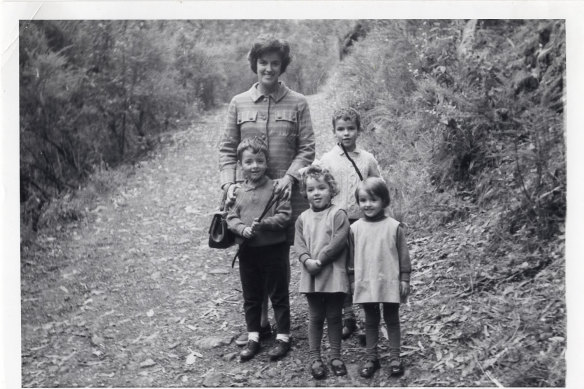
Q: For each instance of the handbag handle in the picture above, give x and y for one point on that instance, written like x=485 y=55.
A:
x=351 y=160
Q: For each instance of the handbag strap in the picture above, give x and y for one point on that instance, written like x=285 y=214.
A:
x=273 y=199
x=351 y=160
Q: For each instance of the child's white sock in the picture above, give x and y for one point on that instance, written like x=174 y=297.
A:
x=255 y=336
x=283 y=337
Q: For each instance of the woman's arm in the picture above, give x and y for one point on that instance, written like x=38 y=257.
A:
x=338 y=242
x=305 y=149
x=228 y=147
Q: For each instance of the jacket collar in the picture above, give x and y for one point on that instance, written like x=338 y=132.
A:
x=277 y=95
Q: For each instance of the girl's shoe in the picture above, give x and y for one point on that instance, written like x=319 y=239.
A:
x=318 y=370
x=395 y=367
x=369 y=368
x=338 y=367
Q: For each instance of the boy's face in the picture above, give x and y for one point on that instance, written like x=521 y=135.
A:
x=318 y=193
x=370 y=205
x=346 y=132
x=253 y=165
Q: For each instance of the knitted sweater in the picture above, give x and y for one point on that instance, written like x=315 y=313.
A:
x=250 y=203
x=347 y=179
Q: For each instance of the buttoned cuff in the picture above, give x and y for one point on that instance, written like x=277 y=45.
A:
x=405 y=277
x=227 y=176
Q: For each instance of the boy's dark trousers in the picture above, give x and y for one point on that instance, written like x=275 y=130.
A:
x=265 y=268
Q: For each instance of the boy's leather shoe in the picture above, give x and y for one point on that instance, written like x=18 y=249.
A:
x=279 y=350
x=249 y=351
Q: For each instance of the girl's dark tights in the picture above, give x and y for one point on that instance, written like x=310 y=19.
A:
x=321 y=306
x=372 y=319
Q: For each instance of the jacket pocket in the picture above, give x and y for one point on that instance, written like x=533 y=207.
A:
x=286 y=123
x=246 y=116
x=248 y=126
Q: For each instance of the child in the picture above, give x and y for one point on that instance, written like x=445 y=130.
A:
x=263 y=251
x=346 y=129
x=382 y=271
x=321 y=246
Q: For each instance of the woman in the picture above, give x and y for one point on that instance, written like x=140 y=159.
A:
x=281 y=117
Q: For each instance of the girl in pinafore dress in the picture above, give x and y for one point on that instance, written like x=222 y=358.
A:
x=382 y=271
x=321 y=246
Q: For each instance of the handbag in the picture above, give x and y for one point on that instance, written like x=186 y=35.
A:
x=220 y=237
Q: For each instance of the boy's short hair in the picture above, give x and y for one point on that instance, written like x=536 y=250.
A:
x=269 y=44
x=347 y=113
x=255 y=144
x=316 y=172
x=374 y=186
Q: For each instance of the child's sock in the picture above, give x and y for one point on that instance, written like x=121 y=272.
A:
x=255 y=336
x=283 y=337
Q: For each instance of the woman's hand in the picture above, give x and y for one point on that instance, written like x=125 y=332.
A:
x=404 y=289
x=312 y=266
x=231 y=194
x=248 y=233
x=284 y=185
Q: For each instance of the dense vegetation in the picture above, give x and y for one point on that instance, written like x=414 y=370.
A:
x=94 y=94
x=467 y=119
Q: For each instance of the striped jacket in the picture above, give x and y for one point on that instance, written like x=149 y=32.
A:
x=282 y=120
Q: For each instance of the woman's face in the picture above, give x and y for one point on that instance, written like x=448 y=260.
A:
x=269 y=69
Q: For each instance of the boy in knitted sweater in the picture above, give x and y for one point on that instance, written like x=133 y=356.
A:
x=263 y=265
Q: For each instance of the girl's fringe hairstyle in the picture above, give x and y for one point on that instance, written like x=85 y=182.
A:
x=347 y=113
x=374 y=186
x=316 y=172
x=269 y=44
x=255 y=144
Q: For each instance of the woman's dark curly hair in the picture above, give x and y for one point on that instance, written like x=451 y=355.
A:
x=269 y=44
x=317 y=172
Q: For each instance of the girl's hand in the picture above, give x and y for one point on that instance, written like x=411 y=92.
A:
x=284 y=185
x=312 y=266
x=404 y=289
x=247 y=233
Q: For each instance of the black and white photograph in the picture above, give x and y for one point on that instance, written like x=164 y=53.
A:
x=291 y=194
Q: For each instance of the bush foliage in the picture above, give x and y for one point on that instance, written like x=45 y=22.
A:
x=476 y=108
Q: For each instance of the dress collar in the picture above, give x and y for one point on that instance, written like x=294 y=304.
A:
x=341 y=152
x=277 y=95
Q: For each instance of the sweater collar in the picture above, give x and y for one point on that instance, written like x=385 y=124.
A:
x=248 y=185
x=341 y=152
x=277 y=95
x=380 y=216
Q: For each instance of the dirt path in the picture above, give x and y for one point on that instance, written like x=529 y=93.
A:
x=132 y=296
